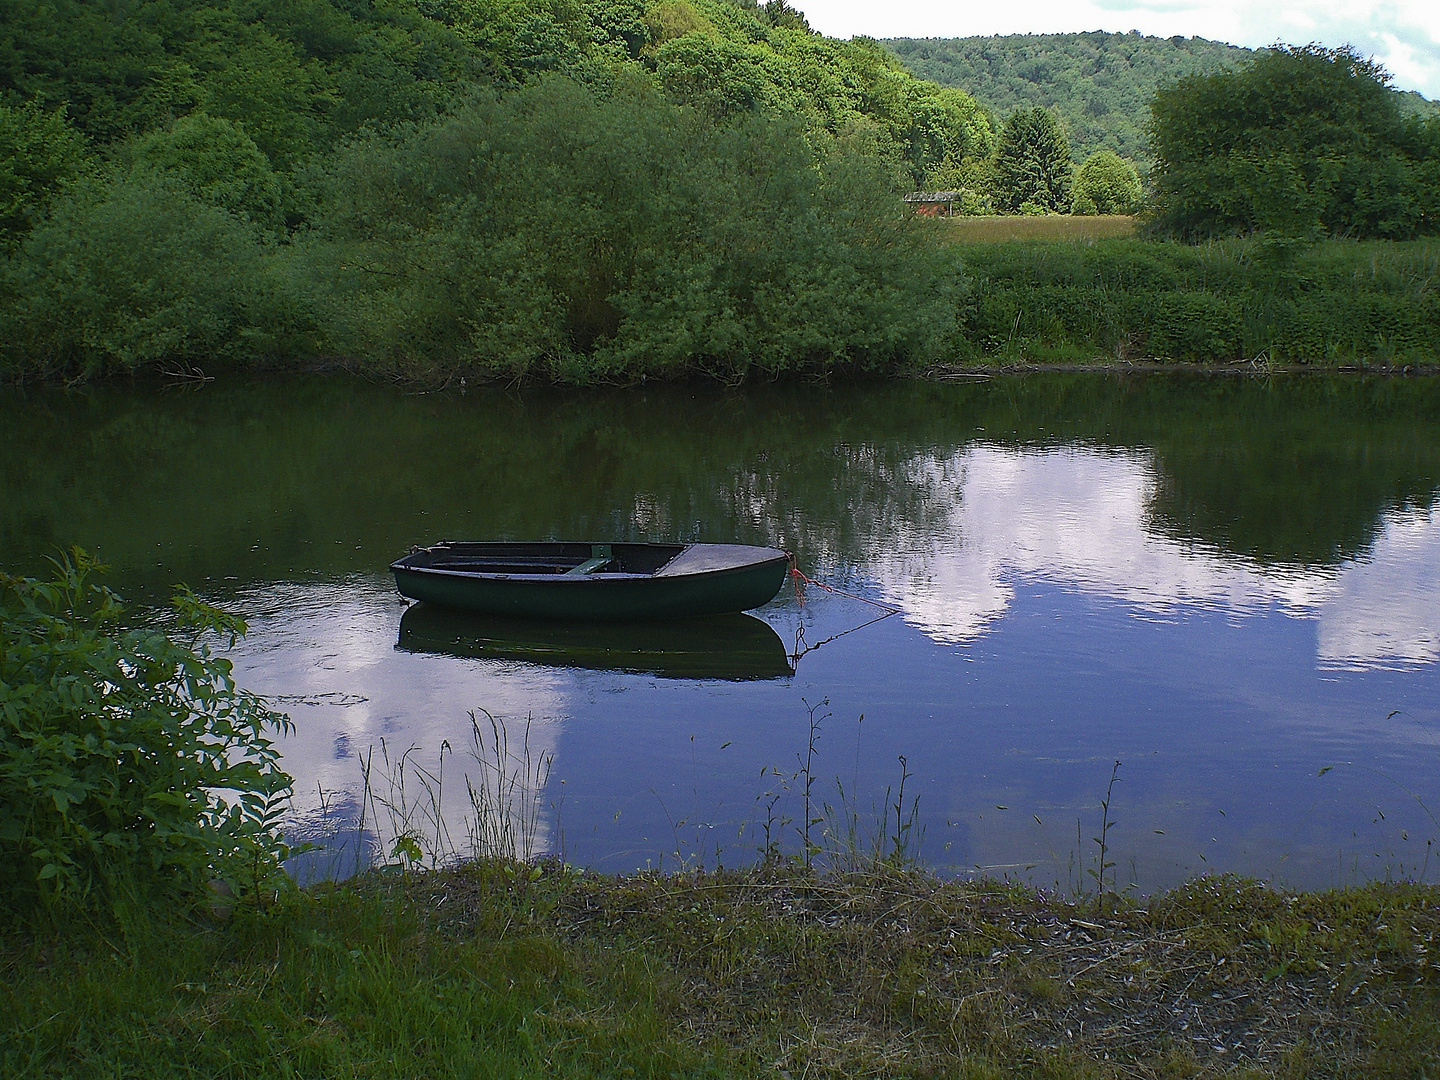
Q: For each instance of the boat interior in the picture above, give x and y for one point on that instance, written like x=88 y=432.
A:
x=576 y=560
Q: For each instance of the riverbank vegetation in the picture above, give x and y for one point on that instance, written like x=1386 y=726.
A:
x=511 y=970
x=132 y=769
x=581 y=191
x=600 y=191
x=1261 y=300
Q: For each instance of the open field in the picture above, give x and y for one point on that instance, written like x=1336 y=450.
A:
x=1000 y=228
x=504 y=969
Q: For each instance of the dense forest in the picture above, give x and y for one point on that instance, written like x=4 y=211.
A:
x=1100 y=84
x=711 y=183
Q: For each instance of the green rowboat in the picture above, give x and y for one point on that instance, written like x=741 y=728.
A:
x=593 y=582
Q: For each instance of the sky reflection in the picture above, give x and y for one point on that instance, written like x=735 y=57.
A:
x=1078 y=518
x=1276 y=720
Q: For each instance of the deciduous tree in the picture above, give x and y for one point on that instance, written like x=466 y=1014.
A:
x=1106 y=184
x=1300 y=141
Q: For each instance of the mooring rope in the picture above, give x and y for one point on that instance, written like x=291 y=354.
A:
x=803 y=647
x=799 y=576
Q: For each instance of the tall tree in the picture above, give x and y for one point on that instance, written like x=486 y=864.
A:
x=1032 y=162
x=1106 y=184
x=1299 y=141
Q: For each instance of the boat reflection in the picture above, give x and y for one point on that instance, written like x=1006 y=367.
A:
x=736 y=648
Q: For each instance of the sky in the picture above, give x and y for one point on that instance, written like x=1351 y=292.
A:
x=1404 y=35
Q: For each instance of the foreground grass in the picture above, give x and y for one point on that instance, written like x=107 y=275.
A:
x=504 y=971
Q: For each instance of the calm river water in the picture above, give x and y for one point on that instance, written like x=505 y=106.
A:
x=1229 y=586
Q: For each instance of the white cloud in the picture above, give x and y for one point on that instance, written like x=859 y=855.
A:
x=1404 y=35
x=1078 y=518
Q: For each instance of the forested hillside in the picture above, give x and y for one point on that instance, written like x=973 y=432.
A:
x=299 y=74
x=1100 y=84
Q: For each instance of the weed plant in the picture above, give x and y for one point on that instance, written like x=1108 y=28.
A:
x=404 y=819
x=131 y=764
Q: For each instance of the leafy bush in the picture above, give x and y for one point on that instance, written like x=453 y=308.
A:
x=1106 y=184
x=1194 y=326
x=127 y=761
x=559 y=232
x=140 y=272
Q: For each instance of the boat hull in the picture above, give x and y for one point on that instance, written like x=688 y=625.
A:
x=724 y=586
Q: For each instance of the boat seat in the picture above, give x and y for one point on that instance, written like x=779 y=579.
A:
x=599 y=556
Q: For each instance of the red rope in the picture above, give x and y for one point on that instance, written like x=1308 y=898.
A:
x=799 y=576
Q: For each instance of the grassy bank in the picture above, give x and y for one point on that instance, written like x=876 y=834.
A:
x=507 y=970
x=1264 y=300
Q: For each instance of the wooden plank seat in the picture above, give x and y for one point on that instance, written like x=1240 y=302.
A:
x=599 y=556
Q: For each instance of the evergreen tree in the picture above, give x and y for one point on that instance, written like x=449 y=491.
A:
x=1033 y=170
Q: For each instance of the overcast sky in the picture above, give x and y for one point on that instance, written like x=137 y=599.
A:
x=1404 y=35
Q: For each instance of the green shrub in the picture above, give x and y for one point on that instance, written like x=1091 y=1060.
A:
x=129 y=763
x=1194 y=326
x=1106 y=184
x=560 y=232
x=141 y=272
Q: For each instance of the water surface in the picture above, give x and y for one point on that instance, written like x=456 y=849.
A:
x=1225 y=585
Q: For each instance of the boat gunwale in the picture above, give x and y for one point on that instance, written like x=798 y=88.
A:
x=558 y=578
x=401 y=564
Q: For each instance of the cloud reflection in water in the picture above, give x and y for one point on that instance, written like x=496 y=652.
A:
x=1078 y=518
x=326 y=654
